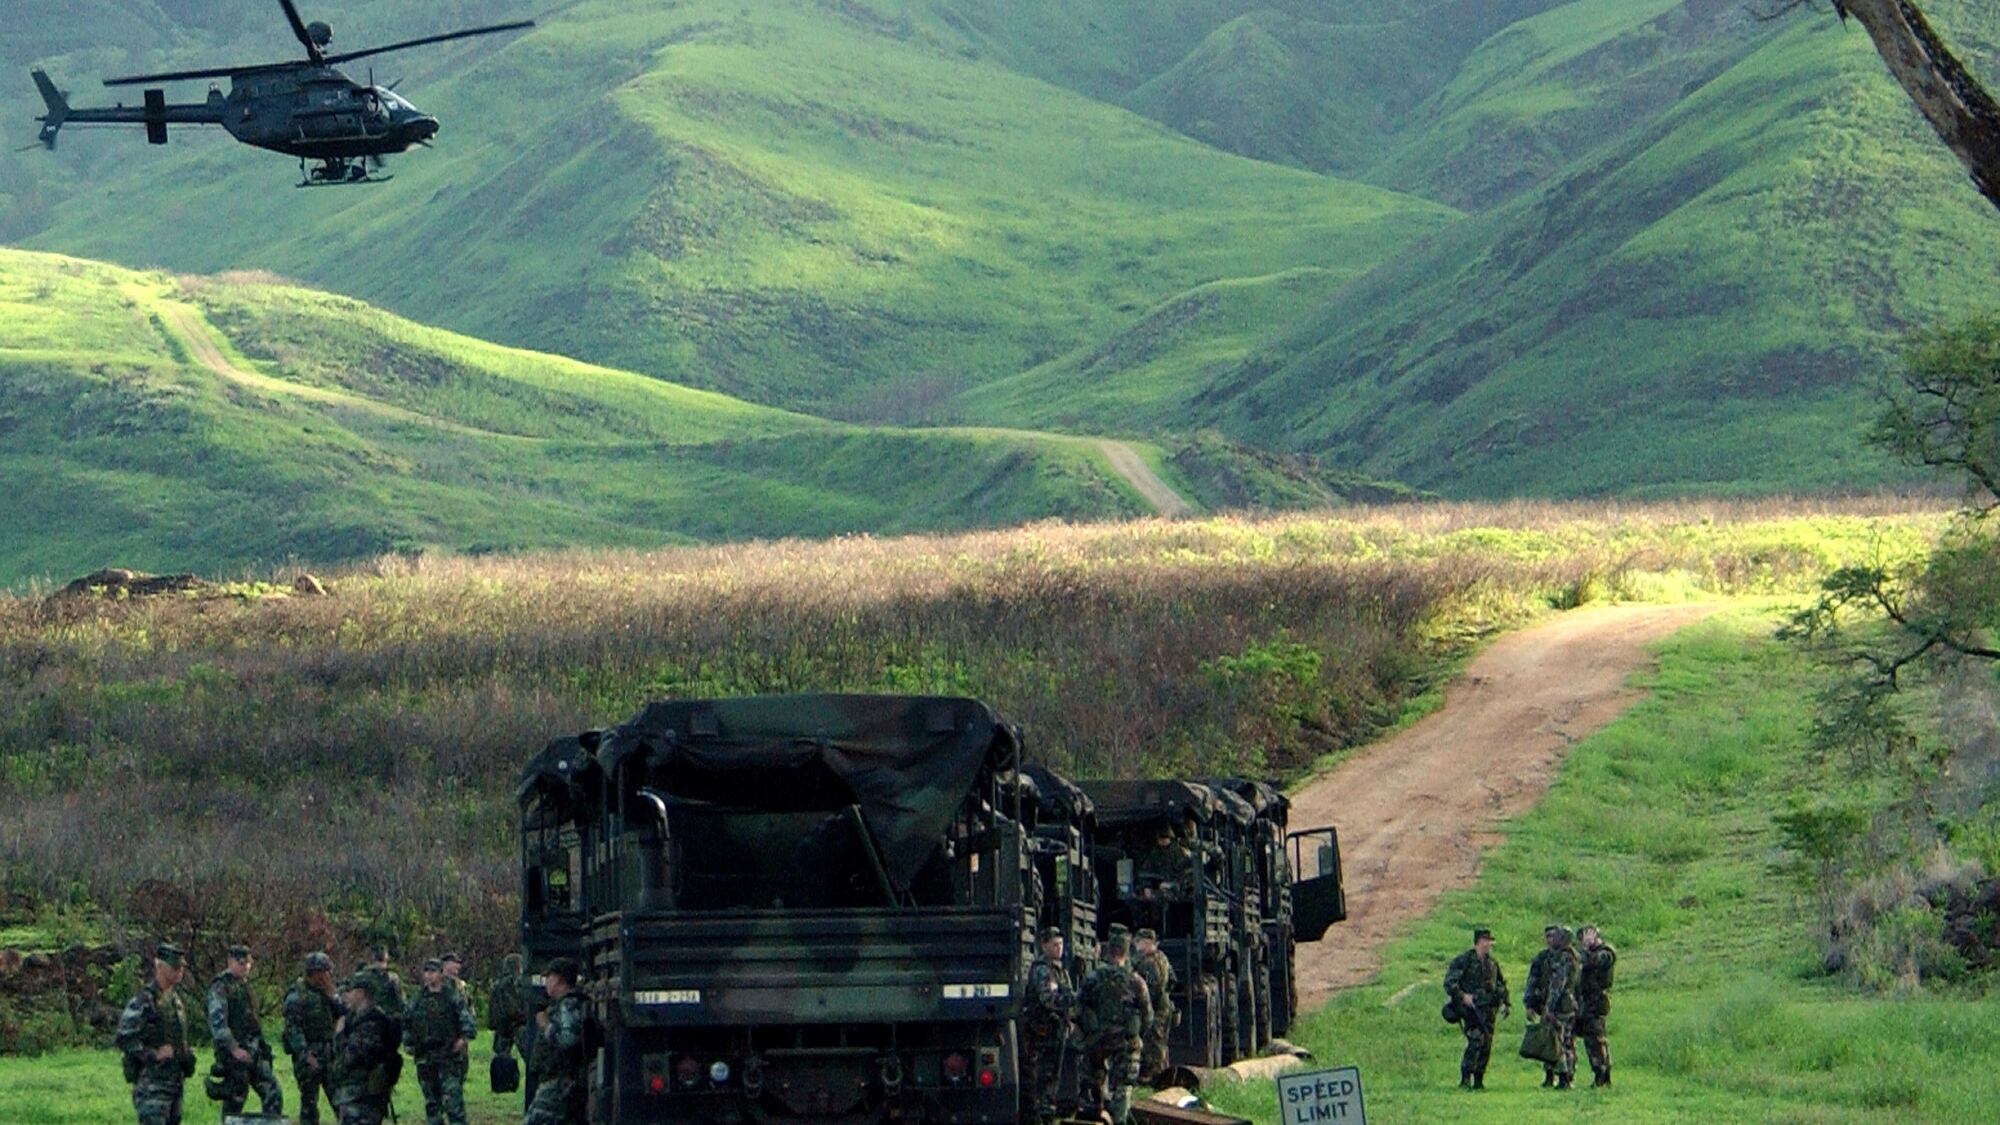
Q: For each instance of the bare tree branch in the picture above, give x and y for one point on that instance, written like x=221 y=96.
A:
x=1948 y=95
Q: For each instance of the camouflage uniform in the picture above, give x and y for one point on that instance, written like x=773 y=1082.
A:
x=1171 y=860
x=151 y=1021
x=431 y=1024
x=1481 y=978
x=559 y=1063
x=1113 y=1015
x=310 y=1016
x=385 y=989
x=1552 y=980
x=507 y=1006
x=232 y=1024
x=1046 y=1029
x=1593 y=996
x=365 y=1067
x=1158 y=973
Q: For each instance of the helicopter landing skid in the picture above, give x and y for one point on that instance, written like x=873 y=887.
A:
x=338 y=173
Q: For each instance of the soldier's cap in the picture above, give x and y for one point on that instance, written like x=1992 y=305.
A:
x=1552 y=928
x=1482 y=934
x=452 y=959
x=1118 y=929
x=169 y=952
x=433 y=965
x=1116 y=945
x=1052 y=933
x=318 y=963
x=239 y=953
x=1145 y=935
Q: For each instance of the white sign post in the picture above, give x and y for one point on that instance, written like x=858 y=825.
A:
x=1331 y=1096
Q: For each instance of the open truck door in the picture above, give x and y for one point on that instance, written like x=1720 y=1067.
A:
x=1318 y=899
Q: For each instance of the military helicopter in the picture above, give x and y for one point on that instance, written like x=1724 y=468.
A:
x=305 y=109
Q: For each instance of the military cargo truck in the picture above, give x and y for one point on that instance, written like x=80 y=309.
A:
x=790 y=908
x=1295 y=878
x=1160 y=859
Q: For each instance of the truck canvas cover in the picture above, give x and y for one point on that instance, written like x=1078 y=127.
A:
x=907 y=763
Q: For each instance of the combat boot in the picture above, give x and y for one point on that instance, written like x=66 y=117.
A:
x=1601 y=1078
x=1548 y=1077
x=1479 y=1079
x=1563 y=1081
x=1465 y=1080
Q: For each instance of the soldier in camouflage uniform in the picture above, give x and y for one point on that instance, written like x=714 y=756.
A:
x=384 y=986
x=1112 y=1017
x=507 y=1005
x=437 y=1030
x=559 y=1059
x=454 y=973
x=1593 y=1002
x=1552 y=981
x=242 y=1056
x=152 y=1037
x=1158 y=972
x=312 y=1008
x=1046 y=1025
x=366 y=1064
x=1476 y=987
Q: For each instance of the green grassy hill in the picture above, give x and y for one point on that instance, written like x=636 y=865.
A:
x=832 y=207
x=1706 y=238
x=210 y=424
x=1613 y=246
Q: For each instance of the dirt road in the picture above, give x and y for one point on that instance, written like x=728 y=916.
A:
x=1126 y=462
x=1417 y=811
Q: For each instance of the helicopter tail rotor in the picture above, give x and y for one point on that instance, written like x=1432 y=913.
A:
x=58 y=109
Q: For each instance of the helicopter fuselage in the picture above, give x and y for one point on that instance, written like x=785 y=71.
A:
x=310 y=110
x=318 y=113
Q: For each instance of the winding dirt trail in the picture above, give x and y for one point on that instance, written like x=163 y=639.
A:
x=1126 y=462
x=1417 y=811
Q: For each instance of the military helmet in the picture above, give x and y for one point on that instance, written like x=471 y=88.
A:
x=1145 y=935
x=1117 y=945
x=1118 y=929
x=433 y=965
x=452 y=959
x=1052 y=933
x=239 y=953
x=169 y=952
x=318 y=963
x=1482 y=934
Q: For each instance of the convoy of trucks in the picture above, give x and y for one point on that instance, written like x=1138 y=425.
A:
x=823 y=907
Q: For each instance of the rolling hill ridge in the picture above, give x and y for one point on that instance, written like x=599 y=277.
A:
x=214 y=424
x=1482 y=246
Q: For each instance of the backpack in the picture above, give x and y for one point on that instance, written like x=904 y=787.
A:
x=383 y=1078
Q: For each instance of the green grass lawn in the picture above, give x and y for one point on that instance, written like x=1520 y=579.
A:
x=1659 y=829
x=87 y=1088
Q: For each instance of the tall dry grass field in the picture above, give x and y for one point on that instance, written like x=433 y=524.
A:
x=307 y=772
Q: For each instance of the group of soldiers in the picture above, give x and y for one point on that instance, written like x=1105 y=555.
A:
x=1116 y=1025
x=1568 y=986
x=347 y=1041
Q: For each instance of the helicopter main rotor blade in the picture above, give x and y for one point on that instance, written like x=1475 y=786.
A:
x=331 y=60
x=299 y=29
x=185 y=75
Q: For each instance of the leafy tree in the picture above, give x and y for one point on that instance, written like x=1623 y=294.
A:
x=1942 y=609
